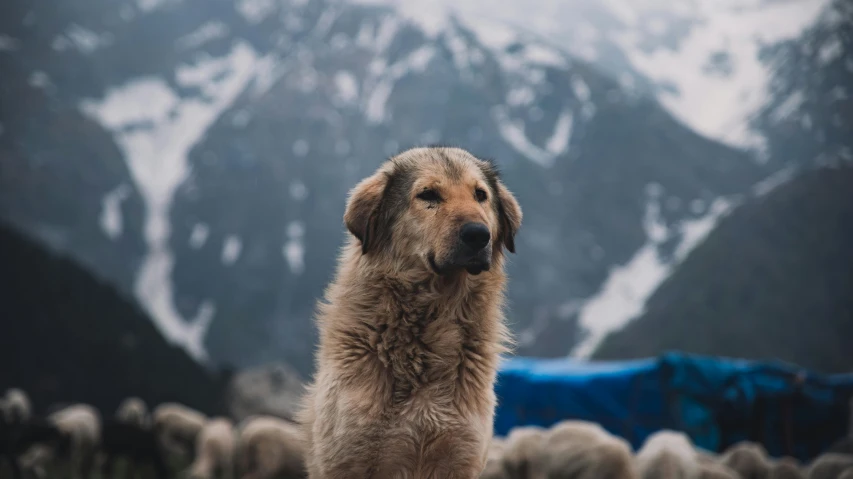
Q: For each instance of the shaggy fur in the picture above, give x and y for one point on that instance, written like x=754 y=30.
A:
x=668 y=455
x=830 y=466
x=786 y=468
x=712 y=470
x=411 y=329
x=521 y=451
x=16 y=407
x=270 y=447
x=17 y=438
x=177 y=428
x=81 y=424
x=583 y=450
x=494 y=461
x=215 y=449
x=133 y=411
x=748 y=459
x=847 y=474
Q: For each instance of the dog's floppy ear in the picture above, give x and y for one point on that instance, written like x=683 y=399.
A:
x=509 y=214
x=362 y=212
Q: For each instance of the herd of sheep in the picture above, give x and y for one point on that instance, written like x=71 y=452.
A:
x=583 y=450
x=79 y=443
x=77 y=440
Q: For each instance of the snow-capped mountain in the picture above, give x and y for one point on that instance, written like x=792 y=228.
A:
x=198 y=153
x=701 y=58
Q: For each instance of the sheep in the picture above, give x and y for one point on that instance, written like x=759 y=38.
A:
x=81 y=424
x=16 y=406
x=215 y=449
x=830 y=466
x=270 y=447
x=133 y=411
x=847 y=474
x=748 y=459
x=177 y=427
x=16 y=439
x=36 y=459
x=134 y=442
x=581 y=450
x=668 y=455
x=785 y=468
x=713 y=470
x=494 y=468
x=521 y=450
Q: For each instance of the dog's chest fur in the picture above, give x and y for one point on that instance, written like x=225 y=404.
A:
x=422 y=343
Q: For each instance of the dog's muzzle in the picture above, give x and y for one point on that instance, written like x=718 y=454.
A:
x=473 y=251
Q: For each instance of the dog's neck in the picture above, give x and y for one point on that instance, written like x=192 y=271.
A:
x=412 y=327
x=369 y=291
x=411 y=283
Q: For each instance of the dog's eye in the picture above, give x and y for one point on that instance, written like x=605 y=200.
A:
x=481 y=195
x=430 y=196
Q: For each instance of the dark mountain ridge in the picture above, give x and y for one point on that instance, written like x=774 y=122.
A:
x=774 y=280
x=70 y=337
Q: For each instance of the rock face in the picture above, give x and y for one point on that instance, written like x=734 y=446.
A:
x=197 y=154
x=70 y=337
x=795 y=243
x=273 y=390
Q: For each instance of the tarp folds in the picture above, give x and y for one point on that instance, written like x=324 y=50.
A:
x=717 y=401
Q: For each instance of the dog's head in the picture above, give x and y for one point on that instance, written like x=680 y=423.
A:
x=442 y=206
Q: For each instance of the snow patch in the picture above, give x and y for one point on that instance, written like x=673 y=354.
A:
x=831 y=50
x=231 y=249
x=147 y=6
x=9 y=44
x=431 y=17
x=623 y=295
x=384 y=77
x=325 y=22
x=495 y=35
x=773 y=181
x=85 y=40
x=696 y=230
x=347 y=87
x=111 y=218
x=198 y=236
x=294 y=249
x=201 y=35
x=385 y=33
x=157 y=159
x=580 y=89
x=542 y=55
x=717 y=106
x=268 y=70
x=301 y=147
x=788 y=107
x=298 y=190
x=520 y=96
x=254 y=11
x=39 y=79
x=558 y=144
x=513 y=132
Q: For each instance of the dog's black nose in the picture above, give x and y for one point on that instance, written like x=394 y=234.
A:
x=475 y=235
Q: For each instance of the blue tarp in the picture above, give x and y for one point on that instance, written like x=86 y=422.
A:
x=718 y=402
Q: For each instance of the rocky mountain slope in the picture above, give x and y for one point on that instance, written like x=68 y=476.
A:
x=197 y=154
x=70 y=337
x=773 y=280
x=809 y=117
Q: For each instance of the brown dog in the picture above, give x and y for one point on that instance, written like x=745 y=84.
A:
x=412 y=325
